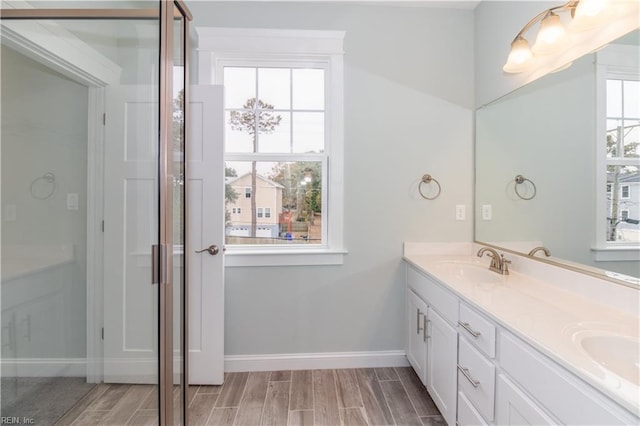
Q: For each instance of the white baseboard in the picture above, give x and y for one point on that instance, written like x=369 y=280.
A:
x=44 y=367
x=313 y=361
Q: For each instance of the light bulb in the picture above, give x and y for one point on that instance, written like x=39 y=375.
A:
x=519 y=57
x=591 y=13
x=551 y=35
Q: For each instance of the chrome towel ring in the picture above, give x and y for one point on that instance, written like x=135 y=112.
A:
x=43 y=187
x=427 y=179
x=521 y=180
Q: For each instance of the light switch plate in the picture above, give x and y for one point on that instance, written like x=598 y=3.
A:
x=486 y=212
x=72 y=201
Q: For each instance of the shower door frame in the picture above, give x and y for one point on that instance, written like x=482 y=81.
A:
x=166 y=13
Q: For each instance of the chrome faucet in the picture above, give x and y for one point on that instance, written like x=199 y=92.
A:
x=542 y=249
x=498 y=263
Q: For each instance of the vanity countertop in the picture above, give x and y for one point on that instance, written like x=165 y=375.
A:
x=552 y=319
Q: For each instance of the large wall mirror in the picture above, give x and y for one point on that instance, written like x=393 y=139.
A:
x=573 y=138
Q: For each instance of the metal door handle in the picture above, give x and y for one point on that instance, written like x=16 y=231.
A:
x=212 y=250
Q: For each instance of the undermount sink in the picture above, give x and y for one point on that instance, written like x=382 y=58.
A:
x=471 y=272
x=618 y=354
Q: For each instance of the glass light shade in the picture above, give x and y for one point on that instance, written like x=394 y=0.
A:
x=551 y=36
x=591 y=13
x=520 y=56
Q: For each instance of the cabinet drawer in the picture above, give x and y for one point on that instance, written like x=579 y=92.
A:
x=434 y=294
x=479 y=330
x=562 y=394
x=476 y=378
x=513 y=407
x=467 y=414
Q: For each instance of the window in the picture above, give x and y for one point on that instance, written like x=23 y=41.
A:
x=618 y=155
x=283 y=140
x=622 y=148
x=624 y=192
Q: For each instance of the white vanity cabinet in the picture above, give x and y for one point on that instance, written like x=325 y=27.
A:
x=432 y=340
x=416 y=338
x=479 y=372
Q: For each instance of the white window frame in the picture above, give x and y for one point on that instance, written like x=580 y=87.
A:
x=223 y=47
x=267 y=212
x=621 y=62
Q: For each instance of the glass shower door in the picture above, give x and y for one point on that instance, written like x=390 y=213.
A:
x=85 y=196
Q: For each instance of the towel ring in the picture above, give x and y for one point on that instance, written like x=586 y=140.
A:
x=46 y=179
x=520 y=180
x=427 y=179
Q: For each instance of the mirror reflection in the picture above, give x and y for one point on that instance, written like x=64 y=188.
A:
x=558 y=164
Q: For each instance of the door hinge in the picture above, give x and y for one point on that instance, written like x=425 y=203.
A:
x=104 y=119
x=102 y=333
x=102 y=226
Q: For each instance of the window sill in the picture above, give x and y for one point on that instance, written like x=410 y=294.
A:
x=296 y=257
x=616 y=254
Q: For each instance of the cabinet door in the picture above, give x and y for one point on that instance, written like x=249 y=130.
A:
x=442 y=362
x=416 y=334
x=514 y=408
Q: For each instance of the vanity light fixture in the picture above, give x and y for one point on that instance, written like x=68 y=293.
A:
x=556 y=27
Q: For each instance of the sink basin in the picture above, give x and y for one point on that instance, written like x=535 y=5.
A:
x=618 y=354
x=468 y=272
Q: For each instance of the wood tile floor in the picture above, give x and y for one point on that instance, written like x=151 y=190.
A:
x=376 y=396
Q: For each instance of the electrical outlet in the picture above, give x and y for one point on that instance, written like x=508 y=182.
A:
x=460 y=212
x=486 y=212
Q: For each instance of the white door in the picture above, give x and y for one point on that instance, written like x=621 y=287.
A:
x=130 y=229
x=130 y=216
x=205 y=203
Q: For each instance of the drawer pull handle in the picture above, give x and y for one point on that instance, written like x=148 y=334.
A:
x=418 y=328
x=425 y=323
x=465 y=373
x=471 y=331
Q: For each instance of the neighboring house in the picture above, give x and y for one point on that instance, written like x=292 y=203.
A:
x=268 y=207
x=628 y=206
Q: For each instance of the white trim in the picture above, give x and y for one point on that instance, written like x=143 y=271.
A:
x=298 y=257
x=219 y=47
x=617 y=61
x=44 y=367
x=95 y=236
x=616 y=254
x=59 y=49
x=310 y=361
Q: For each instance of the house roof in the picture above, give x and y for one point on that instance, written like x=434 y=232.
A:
x=630 y=178
x=259 y=176
x=626 y=178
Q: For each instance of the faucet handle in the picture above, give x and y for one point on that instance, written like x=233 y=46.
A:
x=505 y=265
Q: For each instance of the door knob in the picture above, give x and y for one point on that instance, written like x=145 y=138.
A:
x=212 y=250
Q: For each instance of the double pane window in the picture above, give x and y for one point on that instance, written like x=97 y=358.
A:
x=275 y=155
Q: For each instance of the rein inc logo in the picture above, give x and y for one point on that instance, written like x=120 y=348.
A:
x=6 y=420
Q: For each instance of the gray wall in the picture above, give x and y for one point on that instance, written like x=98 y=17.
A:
x=44 y=129
x=496 y=24
x=408 y=111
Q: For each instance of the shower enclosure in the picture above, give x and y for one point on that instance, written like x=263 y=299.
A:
x=93 y=199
